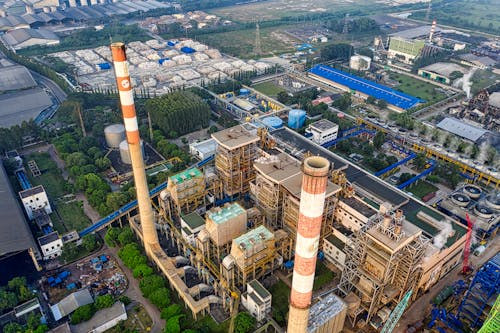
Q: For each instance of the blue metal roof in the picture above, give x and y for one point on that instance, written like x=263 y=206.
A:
x=367 y=87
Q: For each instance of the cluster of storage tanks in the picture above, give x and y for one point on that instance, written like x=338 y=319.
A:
x=296 y=119
x=116 y=140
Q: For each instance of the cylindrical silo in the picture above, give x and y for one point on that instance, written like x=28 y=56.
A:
x=114 y=135
x=273 y=122
x=125 y=152
x=312 y=204
x=296 y=118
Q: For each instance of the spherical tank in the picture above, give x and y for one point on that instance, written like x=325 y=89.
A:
x=296 y=118
x=273 y=122
x=114 y=135
x=125 y=153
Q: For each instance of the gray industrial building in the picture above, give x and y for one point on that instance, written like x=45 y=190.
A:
x=25 y=37
x=14 y=77
x=22 y=106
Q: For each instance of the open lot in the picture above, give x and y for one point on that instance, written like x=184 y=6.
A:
x=241 y=43
x=268 y=88
x=268 y=10
x=471 y=14
x=69 y=217
x=138 y=321
x=417 y=88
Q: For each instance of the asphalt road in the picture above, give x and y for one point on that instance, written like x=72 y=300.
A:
x=57 y=92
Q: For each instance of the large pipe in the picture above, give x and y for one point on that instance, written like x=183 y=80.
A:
x=312 y=203
x=124 y=85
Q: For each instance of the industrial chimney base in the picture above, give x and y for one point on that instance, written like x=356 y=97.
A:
x=297 y=320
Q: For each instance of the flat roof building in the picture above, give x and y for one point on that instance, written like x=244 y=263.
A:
x=441 y=71
x=323 y=131
x=15 y=77
x=397 y=101
x=203 y=149
x=461 y=129
x=22 y=106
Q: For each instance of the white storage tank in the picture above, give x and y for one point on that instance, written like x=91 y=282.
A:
x=360 y=63
x=114 y=135
x=125 y=153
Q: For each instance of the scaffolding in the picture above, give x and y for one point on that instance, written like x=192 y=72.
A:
x=483 y=289
x=254 y=255
x=383 y=263
x=236 y=151
x=187 y=190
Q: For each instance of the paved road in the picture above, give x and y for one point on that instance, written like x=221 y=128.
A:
x=134 y=293
x=57 y=92
x=421 y=308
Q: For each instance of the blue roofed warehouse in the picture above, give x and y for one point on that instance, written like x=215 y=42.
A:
x=397 y=101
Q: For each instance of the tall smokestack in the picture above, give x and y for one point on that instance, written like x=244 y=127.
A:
x=312 y=202
x=433 y=28
x=124 y=85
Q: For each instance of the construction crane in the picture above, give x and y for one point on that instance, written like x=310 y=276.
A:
x=466 y=268
x=396 y=313
x=492 y=324
x=234 y=311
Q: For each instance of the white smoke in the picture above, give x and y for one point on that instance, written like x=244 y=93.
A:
x=483 y=152
x=441 y=238
x=465 y=83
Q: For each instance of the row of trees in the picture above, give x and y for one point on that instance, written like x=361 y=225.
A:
x=340 y=52
x=16 y=291
x=359 y=25
x=84 y=313
x=178 y=113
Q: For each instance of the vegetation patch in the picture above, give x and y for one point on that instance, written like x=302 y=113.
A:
x=280 y=302
x=417 y=88
x=421 y=189
x=268 y=88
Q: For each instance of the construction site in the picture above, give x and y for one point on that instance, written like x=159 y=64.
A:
x=275 y=201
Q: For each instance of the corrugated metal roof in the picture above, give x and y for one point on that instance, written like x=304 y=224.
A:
x=14 y=233
x=367 y=87
x=15 y=77
x=70 y=303
x=461 y=129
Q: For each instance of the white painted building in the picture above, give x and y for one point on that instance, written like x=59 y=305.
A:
x=257 y=300
x=51 y=245
x=191 y=225
x=323 y=131
x=102 y=320
x=34 y=199
x=203 y=149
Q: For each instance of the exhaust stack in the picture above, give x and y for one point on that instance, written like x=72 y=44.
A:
x=433 y=29
x=124 y=85
x=312 y=202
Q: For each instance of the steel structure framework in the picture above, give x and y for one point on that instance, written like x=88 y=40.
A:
x=492 y=324
x=484 y=286
x=399 y=273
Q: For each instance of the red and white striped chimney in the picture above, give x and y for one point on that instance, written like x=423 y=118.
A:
x=150 y=236
x=433 y=28
x=312 y=202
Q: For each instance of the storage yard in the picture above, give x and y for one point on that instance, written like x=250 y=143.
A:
x=158 y=66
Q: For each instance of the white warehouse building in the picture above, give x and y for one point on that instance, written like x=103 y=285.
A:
x=323 y=131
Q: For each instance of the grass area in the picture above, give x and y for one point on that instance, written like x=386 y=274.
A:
x=207 y=324
x=274 y=9
x=241 y=43
x=51 y=177
x=421 y=189
x=280 y=302
x=417 y=88
x=470 y=14
x=138 y=321
x=268 y=88
x=323 y=275
x=71 y=216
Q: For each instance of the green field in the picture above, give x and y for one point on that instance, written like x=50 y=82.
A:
x=241 y=43
x=417 y=88
x=268 y=88
x=421 y=189
x=70 y=216
x=274 y=9
x=471 y=14
x=51 y=177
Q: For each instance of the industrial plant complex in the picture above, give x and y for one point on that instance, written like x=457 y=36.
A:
x=180 y=188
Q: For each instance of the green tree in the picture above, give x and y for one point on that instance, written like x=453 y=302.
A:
x=379 y=139
x=371 y=100
x=142 y=270
x=171 y=311
x=83 y=313
x=160 y=297
x=8 y=300
x=126 y=236
x=339 y=51
x=420 y=161
x=13 y=328
x=102 y=163
x=343 y=103
x=151 y=283
x=405 y=177
x=89 y=242
x=20 y=288
x=244 y=323
x=104 y=301
x=111 y=236
x=382 y=103
x=172 y=325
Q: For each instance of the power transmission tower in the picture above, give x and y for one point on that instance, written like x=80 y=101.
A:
x=258 y=48
x=345 y=29
x=428 y=13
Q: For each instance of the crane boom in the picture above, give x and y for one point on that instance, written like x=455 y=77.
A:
x=492 y=324
x=465 y=267
x=396 y=313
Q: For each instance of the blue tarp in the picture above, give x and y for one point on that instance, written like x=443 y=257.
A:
x=162 y=60
x=104 y=65
x=367 y=87
x=186 y=49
